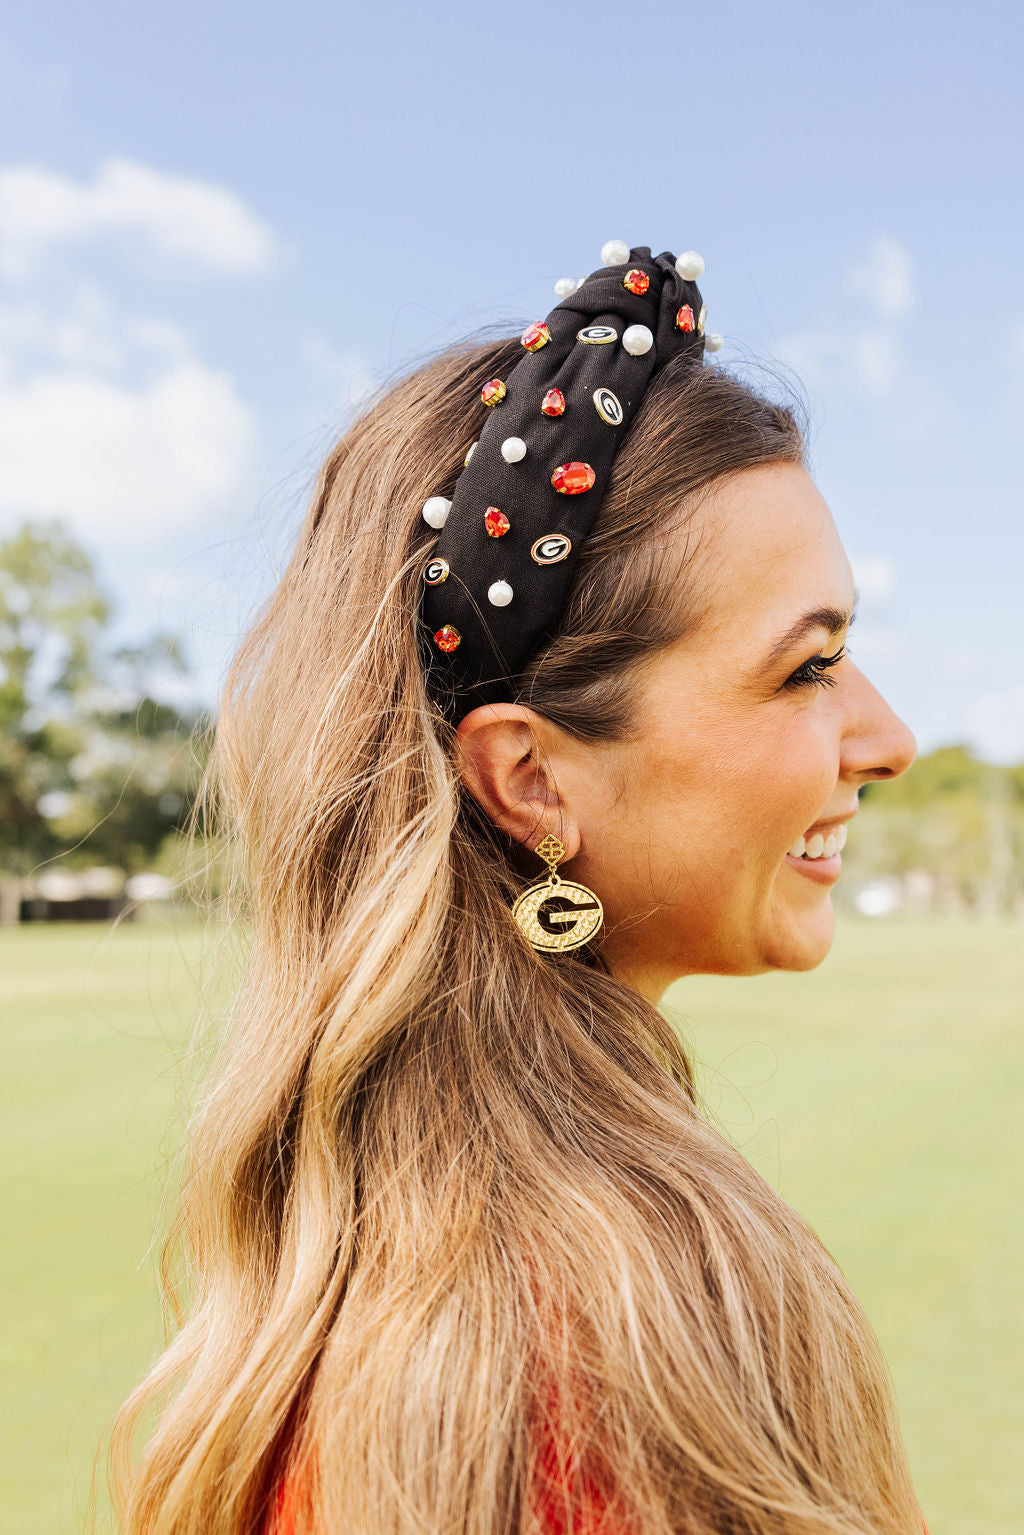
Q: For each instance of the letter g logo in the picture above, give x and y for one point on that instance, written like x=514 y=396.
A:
x=551 y=548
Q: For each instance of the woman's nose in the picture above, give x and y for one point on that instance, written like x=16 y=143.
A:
x=876 y=742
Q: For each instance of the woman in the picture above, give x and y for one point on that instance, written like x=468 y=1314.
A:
x=464 y=1253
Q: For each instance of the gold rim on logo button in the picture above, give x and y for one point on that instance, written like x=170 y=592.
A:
x=597 y=335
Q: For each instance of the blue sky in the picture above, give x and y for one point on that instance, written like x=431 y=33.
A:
x=219 y=225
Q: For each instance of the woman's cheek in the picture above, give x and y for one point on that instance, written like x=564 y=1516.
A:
x=806 y=759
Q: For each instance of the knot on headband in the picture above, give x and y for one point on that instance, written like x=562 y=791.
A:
x=497 y=580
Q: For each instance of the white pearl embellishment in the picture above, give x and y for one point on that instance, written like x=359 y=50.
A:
x=435 y=511
x=690 y=265
x=565 y=286
x=713 y=341
x=513 y=449
x=500 y=594
x=637 y=339
x=469 y=454
x=614 y=252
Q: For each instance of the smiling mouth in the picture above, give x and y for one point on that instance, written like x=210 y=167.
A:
x=811 y=849
x=819 y=857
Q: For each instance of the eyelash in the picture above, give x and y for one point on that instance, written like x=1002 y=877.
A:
x=814 y=673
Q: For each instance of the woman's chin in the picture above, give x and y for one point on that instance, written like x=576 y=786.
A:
x=800 y=940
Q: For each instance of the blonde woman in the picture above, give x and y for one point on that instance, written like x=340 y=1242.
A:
x=463 y=1252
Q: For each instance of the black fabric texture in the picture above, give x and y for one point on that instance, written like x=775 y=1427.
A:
x=497 y=642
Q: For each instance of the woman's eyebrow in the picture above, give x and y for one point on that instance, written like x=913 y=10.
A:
x=832 y=620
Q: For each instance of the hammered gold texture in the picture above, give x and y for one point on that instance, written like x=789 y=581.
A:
x=576 y=925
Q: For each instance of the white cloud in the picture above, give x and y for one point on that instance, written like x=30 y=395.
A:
x=112 y=419
x=125 y=464
x=113 y=422
x=877 y=356
x=868 y=358
x=870 y=353
x=83 y=330
x=191 y=223
x=886 y=278
x=871 y=356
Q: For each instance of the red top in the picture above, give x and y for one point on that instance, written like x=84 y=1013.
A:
x=589 y=1518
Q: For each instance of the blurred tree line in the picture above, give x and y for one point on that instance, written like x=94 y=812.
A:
x=947 y=836
x=96 y=770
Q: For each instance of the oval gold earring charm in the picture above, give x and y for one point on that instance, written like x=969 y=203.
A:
x=557 y=914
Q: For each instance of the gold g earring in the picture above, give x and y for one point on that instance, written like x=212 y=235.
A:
x=557 y=914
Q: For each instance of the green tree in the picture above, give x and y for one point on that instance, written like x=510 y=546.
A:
x=136 y=776
x=93 y=767
x=52 y=614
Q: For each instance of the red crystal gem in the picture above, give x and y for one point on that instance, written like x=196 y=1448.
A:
x=447 y=637
x=493 y=392
x=553 y=403
x=535 y=336
x=684 y=319
x=636 y=281
x=496 y=522
x=573 y=479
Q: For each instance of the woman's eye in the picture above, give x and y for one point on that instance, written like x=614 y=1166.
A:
x=815 y=672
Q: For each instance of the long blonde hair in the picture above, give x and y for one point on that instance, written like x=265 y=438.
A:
x=449 y=1202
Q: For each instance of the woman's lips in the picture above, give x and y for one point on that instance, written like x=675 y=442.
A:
x=825 y=870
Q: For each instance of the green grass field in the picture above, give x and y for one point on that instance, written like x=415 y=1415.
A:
x=883 y=1094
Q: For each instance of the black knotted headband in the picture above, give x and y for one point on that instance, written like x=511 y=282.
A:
x=495 y=583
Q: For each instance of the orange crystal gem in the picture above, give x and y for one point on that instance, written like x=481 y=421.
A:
x=447 y=637
x=636 y=281
x=493 y=392
x=535 y=336
x=553 y=403
x=684 y=319
x=496 y=523
x=573 y=479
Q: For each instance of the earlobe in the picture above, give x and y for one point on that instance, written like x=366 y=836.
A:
x=501 y=759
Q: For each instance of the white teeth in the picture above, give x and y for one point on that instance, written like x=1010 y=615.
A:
x=819 y=846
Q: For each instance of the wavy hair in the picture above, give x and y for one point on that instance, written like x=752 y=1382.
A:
x=449 y=1202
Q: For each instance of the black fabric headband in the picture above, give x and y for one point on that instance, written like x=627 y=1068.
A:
x=496 y=581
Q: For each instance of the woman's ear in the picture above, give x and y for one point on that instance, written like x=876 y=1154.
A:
x=504 y=756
